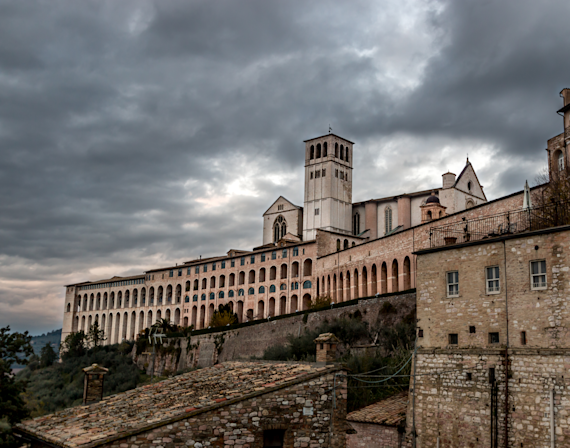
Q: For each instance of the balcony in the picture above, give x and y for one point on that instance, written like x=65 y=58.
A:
x=493 y=226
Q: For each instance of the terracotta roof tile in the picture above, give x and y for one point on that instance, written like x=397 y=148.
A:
x=120 y=414
x=389 y=412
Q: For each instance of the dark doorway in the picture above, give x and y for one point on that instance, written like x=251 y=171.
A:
x=273 y=438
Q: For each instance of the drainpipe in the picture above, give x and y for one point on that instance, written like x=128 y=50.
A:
x=552 y=432
x=506 y=350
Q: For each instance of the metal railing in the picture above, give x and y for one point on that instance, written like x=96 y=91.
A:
x=511 y=222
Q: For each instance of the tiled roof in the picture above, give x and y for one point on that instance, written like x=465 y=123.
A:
x=389 y=412
x=175 y=398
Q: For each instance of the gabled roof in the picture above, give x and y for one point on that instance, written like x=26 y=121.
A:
x=183 y=396
x=389 y=412
x=467 y=165
x=281 y=197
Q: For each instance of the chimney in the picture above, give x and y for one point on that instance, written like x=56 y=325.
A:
x=93 y=383
x=326 y=348
x=448 y=180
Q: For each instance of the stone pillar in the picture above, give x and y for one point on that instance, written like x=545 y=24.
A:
x=404 y=212
x=371 y=218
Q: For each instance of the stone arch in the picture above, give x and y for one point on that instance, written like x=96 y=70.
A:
x=345 y=244
x=294 y=306
x=109 y=330
x=307 y=267
x=178 y=296
x=141 y=321
x=232 y=280
x=133 y=326
x=251 y=276
x=348 y=287
x=261 y=275
x=407 y=274
x=318 y=154
x=356 y=294
x=325 y=149
x=364 y=283
x=222 y=281
x=306 y=302
x=143 y=296
x=283 y=305
x=341 y=297
x=271 y=307
x=169 y=294
x=186 y=321
x=373 y=281
x=202 y=316
x=240 y=311
x=283 y=271
x=160 y=294
x=312 y=152
x=149 y=321
x=105 y=301
x=395 y=276
x=177 y=316
x=212 y=281
x=272 y=273
x=241 y=278
x=384 y=278
x=211 y=310
x=194 y=315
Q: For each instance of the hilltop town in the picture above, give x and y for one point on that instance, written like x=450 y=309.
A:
x=483 y=284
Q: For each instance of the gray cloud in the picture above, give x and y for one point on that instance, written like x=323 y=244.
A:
x=144 y=133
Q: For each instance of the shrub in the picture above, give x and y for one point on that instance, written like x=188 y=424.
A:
x=387 y=308
x=320 y=302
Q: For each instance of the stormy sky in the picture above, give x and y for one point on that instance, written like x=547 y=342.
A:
x=138 y=134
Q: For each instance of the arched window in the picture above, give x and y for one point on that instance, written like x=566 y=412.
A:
x=195 y=298
x=272 y=288
x=337 y=245
x=68 y=307
x=325 y=149
x=356 y=224
x=212 y=296
x=240 y=292
x=203 y=297
x=307 y=284
x=283 y=287
x=345 y=245
x=346 y=154
x=353 y=244
x=560 y=160
x=261 y=289
x=251 y=291
x=469 y=185
x=187 y=299
x=318 y=151
x=429 y=215
x=279 y=228
x=221 y=295
x=468 y=204
x=336 y=150
x=341 y=152
x=230 y=293
x=388 y=220
x=312 y=155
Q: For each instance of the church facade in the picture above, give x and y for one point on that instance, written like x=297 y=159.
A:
x=304 y=253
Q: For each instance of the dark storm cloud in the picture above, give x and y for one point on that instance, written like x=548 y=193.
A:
x=139 y=134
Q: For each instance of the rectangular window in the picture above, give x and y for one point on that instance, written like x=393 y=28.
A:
x=469 y=376
x=284 y=253
x=316 y=211
x=453 y=339
x=223 y=265
x=252 y=259
x=523 y=337
x=171 y=273
x=311 y=174
x=492 y=276
x=420 y=333
x=295 y=251
x=493 y=338
x=273 y=255
x=242 y=261
x=335 y=173
x=205 y=268
x=262 y=257
x=179 y=272
x=491 y=375
x=233 y=263
x=453 y=284
x=188 y=271
x=472 y=329
x=538 y=274
x=342 y=175
x=324 y=172
x=213 y=266
x=197 y=270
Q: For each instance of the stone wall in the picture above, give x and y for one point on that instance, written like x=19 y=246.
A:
x=247 y=342
x=369 y=435
x=453 y=398
x=303 y=411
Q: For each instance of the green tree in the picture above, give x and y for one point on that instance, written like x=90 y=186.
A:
x=96 y=335
x=14 y=348
x=74 y=345
x=165 y=325
x=47 y=355
x=223 y=316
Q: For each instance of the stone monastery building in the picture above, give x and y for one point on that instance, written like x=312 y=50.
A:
x=285 y=273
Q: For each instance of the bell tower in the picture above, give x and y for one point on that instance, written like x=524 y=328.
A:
x=328 y=185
